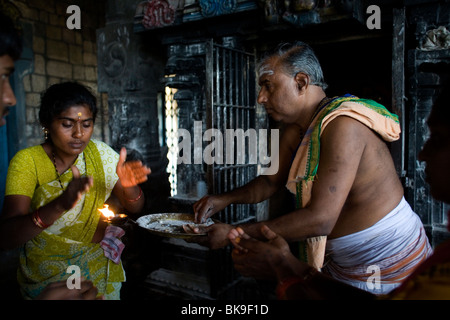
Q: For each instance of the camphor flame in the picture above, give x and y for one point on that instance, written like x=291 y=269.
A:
x=108 y=214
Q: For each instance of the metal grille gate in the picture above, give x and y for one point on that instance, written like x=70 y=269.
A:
x=230 y=104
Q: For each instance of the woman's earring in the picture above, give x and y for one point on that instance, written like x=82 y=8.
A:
x=45 y=133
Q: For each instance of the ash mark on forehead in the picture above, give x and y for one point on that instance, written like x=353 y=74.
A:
x=265 y=69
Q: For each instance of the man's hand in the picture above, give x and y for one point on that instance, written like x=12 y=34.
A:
x=207 y=206
x=216 y=237
x=258 y=259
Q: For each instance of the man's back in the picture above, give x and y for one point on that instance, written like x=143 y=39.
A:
x=376 y=188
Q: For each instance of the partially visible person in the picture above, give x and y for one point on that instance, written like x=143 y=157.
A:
x=54 y=191
x=334 y=159
x=296 y=280
x=10 y=51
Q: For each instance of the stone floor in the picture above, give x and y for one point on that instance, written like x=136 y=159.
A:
x=9 y=261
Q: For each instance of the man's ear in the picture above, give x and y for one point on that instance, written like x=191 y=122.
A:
x=302 y=80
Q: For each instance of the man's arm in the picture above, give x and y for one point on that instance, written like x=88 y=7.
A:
x=260 y=188
x=342 y=146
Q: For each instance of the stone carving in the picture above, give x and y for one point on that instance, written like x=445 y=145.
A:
x=271 y=10
x=211 y=8
x=436 y=39
x=158 y=13
x=113 y=51
x=302 y=5
x=114 y=59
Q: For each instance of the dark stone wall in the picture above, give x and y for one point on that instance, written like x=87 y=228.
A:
x=427 y=65
x=130 y=71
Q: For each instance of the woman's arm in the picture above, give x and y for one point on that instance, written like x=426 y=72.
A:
x=17 y=225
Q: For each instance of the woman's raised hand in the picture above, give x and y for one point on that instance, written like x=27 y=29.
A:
x=131 y=173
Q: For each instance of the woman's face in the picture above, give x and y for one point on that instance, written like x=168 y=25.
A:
x=71 y=130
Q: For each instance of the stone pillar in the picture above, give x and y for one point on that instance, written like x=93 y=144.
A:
x=129 y=71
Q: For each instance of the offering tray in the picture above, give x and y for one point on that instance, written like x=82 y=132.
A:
x=171 y=224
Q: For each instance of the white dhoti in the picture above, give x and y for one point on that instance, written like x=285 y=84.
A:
x=379 y=258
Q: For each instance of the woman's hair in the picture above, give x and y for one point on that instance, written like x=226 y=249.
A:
x=62 y=96
x=298 y=57
x=10 y=41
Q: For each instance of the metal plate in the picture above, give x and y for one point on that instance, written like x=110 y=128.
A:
x=170 y=224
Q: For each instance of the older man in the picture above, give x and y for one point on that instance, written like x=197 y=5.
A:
x=296 y=280
x=334 y=159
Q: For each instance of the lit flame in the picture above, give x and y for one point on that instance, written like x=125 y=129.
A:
x=108 y=214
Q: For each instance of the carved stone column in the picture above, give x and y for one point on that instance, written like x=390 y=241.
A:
x=129 y=71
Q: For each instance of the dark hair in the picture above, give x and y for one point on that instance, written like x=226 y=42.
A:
x=10 y=41
x=62 y=96
x=299 y=57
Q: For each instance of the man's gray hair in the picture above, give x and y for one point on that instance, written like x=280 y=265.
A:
x=294 y=58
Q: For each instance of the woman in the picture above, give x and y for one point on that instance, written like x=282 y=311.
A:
x=53 y=191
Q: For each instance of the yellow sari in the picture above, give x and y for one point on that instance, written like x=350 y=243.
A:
x=46 y=257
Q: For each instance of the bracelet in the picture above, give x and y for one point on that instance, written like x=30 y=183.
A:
x=138 y=197
x=285 y=284
x=37 y=220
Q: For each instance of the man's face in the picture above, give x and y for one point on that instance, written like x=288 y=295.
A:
x=436 y=155
x=279 y=93
x=8 y=99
